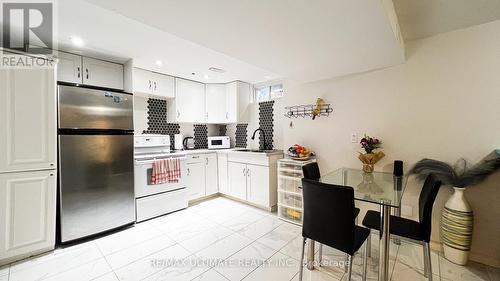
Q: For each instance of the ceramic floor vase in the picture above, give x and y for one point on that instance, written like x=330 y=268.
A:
x=456 y=228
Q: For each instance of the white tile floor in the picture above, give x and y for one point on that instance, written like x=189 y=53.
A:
x=219 y=240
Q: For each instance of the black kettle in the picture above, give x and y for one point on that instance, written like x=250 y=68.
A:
x=186 y=144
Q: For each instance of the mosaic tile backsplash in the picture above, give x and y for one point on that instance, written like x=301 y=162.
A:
x=157 y=120
x=200 y=136
x=241 y=135
x=266 y=123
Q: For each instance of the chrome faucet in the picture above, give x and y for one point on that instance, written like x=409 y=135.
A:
x=263 y=136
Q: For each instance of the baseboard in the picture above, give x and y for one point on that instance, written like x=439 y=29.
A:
x=487 y=260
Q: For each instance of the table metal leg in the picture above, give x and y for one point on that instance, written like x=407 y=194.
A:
x=398 y=189
x=310 y=255
x=384 y=235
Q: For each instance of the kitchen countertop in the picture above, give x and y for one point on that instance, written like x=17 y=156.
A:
x=227 y=150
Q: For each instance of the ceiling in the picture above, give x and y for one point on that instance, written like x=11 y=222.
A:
x=424 y=18
x=108 y=35
x=305 y=40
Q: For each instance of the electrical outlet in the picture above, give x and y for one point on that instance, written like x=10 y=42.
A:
x=406 y=210
x=354 y=137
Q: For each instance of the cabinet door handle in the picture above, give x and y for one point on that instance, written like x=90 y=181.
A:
x=244 y=171
x=206 y=160
x=78 y=69
x=196 y=157
x=87 y=73
x=189 y=172
x=155 y=85
x=149 y=84
x=227 y=115
x=178 y=114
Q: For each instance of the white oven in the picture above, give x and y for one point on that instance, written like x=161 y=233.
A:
x=142 y=176
x=154 y=200
x=219 y=142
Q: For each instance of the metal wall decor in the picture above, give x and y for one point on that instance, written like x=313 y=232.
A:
x=308 y=110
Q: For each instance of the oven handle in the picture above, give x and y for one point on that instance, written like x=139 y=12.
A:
x=150 y=161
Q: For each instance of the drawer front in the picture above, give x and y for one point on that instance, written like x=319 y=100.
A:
x=160 y=204
x=249 y=158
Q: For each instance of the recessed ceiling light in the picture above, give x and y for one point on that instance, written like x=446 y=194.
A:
x=158 y=62
x=77 y=41
x=206 y=76
x=215 y=69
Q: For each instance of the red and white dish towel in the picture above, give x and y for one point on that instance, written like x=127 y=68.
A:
x=166 y=171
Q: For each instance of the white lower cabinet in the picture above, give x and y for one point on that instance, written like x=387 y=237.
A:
x=196 y=180
x=222 y=171
x=237 y=180
x=202 y=175
x=258 y=185
x=252 y=177
x=211 y=174
x=27 y=214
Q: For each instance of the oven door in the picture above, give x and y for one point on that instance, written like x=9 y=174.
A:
x=142 y=179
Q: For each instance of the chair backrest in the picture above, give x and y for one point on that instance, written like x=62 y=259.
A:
x=329 y=214
x=425 y=202
x=311 y=171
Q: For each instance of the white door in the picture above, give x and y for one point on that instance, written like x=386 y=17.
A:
x=216 y=103
x=232 y=102
x=27 y=213
x=222 y=171
x=190 y=101
x=196 y=180
x=102 y=73
x=69 y=68
x=142 y=81
x=211 y=174
x=237 y=180
x=27 y=119
x=163 y=85
x=258 y=185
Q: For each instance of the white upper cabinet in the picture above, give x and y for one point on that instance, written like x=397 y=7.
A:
x=151 y=83
x=237 y=101
x=69 y=68
x=189 y=103
x=216 y=111
x=102 y=73
x=227 y=103
x=82 y=70
x=27 y=119
x=163 y=85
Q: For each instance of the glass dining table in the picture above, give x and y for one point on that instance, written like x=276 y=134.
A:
x=383 y=190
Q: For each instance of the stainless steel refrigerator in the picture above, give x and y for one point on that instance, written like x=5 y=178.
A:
x=96 y=161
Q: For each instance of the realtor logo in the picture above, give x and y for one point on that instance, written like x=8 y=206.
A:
x=27 y=27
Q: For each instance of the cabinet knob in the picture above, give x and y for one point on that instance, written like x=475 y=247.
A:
x=51 y=174
x=52 y=164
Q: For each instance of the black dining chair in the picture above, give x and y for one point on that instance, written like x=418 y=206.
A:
x=311 y=172
x=328 y=218
x=416 y=231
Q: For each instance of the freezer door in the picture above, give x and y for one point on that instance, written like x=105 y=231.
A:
x=96 y=184
x=83 y=108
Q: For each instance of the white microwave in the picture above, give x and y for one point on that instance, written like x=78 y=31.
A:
x=218 y=142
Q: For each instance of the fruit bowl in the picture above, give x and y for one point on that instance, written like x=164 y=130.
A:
x=298 y=152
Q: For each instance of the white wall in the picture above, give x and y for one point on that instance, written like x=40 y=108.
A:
x=444 y=103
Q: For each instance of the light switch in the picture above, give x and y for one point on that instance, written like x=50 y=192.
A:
x=354 y=138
